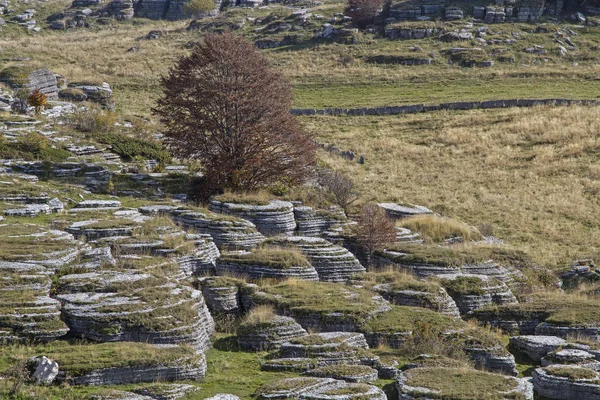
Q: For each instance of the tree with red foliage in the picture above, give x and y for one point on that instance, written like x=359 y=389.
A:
x=363 y=12
x=374 y=230
x=224 y=106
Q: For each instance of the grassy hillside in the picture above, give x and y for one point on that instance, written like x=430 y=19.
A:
x=530 y=173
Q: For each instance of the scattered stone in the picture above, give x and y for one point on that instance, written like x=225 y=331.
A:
x=45 y=371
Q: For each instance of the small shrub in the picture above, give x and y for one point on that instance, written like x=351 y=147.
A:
x=340 y=186
x=374 y=230
x=363 y=12
x=37 y=100
x=130 y=148
x=95 y=119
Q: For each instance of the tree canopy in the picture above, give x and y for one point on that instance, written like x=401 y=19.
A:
x=226 y=107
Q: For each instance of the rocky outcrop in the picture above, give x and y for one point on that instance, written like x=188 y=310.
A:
x=237 y=265
x=438 y=301
x=134 y=305
x=328 y=345
x=192 y=368
x=341 y=390
x=171 y=391
x=471 y=292
x=558 y=385
x=400 y=31
x=268 y=335
x=333 y=263
x=316 y=222
x=98 y=93
x=426 y=388
x=397 y=211
x=536 y=347
x=44 y=80
x=227 y=232
x=319 y=389
x=275 y=218
x=348 y=373
x=549 y=329
x=493 y=359
x=571 y=357
x=222 y=296
x=121 y=10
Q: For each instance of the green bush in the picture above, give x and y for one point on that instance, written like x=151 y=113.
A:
x=32 y=146
x=130 y=148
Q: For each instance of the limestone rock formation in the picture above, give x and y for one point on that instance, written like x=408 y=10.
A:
x=227 y=232
x=326 y=345
x=319 y=389
x=566 y=383
x=438 y=300
x=135 y=304
x=222 y=296
x=471 y=292
x=275 y=218
x=333 y=263
x=192 y=367
x=268 y=335
x=45 y=371
x=348 y=373
x=245 y=264
x=420 y=383
x=315 y=222
x=397 y=211
x=536 y=346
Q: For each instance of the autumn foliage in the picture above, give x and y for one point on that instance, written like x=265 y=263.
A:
x=374 y=230
x=363 y=12
x=38 y=100
x=224 y=106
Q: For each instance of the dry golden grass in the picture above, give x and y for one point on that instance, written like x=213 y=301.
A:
x=533 y=174
x=437 y=229
x=259 y=314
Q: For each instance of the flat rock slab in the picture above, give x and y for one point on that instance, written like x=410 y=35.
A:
x=536 y=347
x=398 y=211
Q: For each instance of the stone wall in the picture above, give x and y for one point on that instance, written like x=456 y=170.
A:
x=464 y=105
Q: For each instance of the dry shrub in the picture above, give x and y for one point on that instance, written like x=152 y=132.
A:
x=94 y=119
x=340 y=186
x=374 y=230
x=260 y=314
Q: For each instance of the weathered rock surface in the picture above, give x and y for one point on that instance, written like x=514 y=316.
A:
x=237 y=266
x=269 y=334
x=222 y=297
x=515 y=388
x=172 y=391
x=191 y=368
x=228 y=233
x=397 y=211
x=348 y=373
x=316 y=222
x=97 y=305
x=333 y=263
x=319 y=389
x=536 y=346
x=476 y=291
x=551 y=386
x=328 y=345
x=440 y=301
x=276 y=218
x=45 y=371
